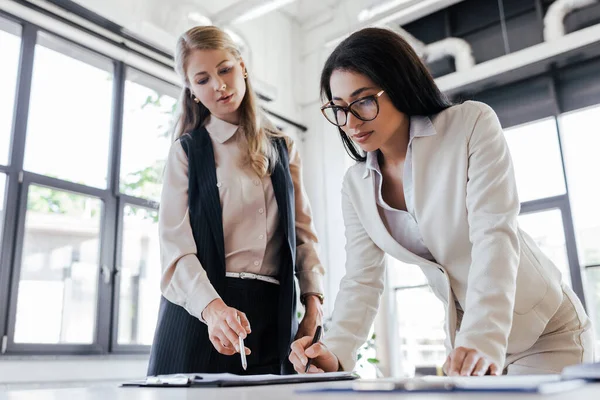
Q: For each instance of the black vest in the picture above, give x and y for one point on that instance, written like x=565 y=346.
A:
x=177 y=332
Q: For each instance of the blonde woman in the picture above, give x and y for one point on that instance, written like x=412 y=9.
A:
x=235 y=225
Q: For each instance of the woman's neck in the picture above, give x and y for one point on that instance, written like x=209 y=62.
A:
x=393 y=152
x=232 y=118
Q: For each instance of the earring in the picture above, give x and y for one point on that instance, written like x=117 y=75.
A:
x=196 y=100
x=245 y=74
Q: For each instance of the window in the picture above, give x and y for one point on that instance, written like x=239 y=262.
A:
x=593 y=294
x=139 y=293
x=84 y=187
x=69 y=120
x=58 y=281
x=10 y=43
x=546 y=229
x=581 y=138
x=147 y=121
x=535 y=152
x=419 y=331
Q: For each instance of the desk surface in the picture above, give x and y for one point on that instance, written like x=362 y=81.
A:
x=276 y=392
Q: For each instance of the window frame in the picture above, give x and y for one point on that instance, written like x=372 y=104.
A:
x=18 y=182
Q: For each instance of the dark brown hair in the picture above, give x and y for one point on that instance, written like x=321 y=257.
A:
x=391 y=63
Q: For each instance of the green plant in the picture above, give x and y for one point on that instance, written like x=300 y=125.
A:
x=363 y=356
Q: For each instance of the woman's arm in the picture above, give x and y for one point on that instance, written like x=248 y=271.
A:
x=492 y=207
x=184 y=281
x=360 y=291
x=309 y=269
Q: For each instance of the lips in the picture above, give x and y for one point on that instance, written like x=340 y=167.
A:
x=362 y=136
x=225 y=99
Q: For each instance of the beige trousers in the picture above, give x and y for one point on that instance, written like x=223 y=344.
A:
x=568 y=339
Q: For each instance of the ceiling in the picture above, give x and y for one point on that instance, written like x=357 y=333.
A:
x=160 y=22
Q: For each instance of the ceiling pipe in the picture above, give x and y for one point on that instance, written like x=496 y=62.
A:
x=554 y=26
x=459 y=49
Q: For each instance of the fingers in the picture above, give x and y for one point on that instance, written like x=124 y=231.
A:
x=469 y=362
x=315 y=350
x=297 y=356
x=227 y=336
x=220 y=347
x=233 y=323
x=494 y=370
x=299 y=366
x=314 y=370
x=456 y=360
x=244 y=321
x=481 y=367
x=299 y=345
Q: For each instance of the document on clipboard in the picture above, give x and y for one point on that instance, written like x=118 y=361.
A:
x=231 y=380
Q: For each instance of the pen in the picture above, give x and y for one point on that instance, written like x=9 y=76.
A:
x=242 y=349
x=316 y=338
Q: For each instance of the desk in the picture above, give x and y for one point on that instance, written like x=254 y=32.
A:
x=276 y=392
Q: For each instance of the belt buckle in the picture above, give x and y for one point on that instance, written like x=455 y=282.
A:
x=246 y=275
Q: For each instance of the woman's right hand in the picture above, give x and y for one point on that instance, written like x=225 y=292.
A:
x=224 y=327
x=323 y=360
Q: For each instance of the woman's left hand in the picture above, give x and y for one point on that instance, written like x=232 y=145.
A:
x=466 y=362
x=313 y=317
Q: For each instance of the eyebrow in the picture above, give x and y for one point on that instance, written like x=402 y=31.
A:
x=355 y=93
x=204 y=72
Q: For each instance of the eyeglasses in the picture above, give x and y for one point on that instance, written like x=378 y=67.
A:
x=366 y=109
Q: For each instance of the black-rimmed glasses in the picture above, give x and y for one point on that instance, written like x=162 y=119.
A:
x=366 y=109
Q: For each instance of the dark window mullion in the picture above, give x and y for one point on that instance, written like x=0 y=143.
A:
x=68 y=186
x=139 y=202
x=107 y=304
x=108 y=295
x=567 y=216
x=543 y=204
x=21 y=111
x=572 y=253
x=114 y=343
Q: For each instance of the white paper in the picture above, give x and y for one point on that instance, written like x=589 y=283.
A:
x=206 y=378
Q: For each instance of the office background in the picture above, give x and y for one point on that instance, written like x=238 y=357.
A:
x=84 y=83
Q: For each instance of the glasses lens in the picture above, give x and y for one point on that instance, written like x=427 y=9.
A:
x=335 y=115
x=366 y=109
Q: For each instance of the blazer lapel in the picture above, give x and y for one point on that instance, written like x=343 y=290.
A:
x=377 y=229
x=208 y=190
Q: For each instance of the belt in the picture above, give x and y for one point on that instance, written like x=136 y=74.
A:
x=248 y=275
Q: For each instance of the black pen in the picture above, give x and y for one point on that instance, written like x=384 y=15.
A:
x=316 y=338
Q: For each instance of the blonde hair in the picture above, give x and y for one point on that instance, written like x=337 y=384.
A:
x=258 y=131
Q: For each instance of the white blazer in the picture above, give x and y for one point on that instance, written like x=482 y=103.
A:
x=466 y=206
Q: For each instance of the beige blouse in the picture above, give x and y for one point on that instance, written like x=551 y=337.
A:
x=252 y=235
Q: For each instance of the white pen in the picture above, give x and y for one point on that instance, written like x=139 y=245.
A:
x=242 y=349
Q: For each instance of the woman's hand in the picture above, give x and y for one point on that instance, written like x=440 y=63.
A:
x=313 y=317
x=323 y=360
x=224 y=328
x=466 y=362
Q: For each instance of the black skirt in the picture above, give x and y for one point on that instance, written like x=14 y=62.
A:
x=181 y=343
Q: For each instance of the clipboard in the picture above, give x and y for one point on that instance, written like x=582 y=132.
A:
x=232 y=380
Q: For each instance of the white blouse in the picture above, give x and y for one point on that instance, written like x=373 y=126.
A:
x=401 y=224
